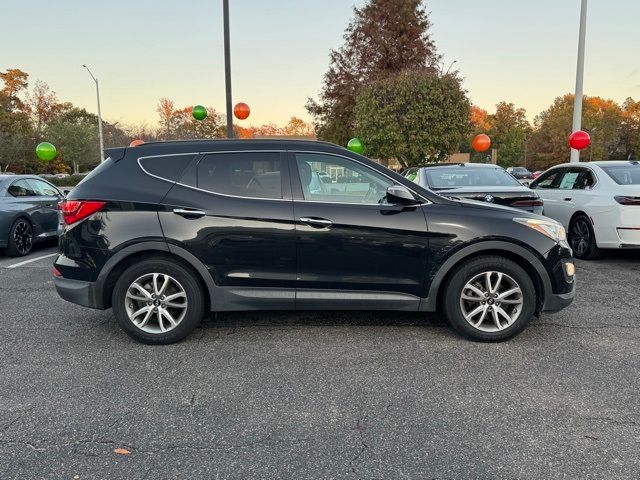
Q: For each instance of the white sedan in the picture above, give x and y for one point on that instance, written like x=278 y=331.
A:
x=597 y=202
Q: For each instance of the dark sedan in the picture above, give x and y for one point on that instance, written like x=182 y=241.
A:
x=522 y=174
x=28 y=212
x=476 y=181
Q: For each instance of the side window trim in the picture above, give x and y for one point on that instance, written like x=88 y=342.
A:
x=296 y=186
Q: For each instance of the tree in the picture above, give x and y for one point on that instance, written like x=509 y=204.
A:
x=509 y=130
x=603 y=119
x=166 y=110
x=43 y=106
x=75 y=135
x=385 y=37
x=15 y=129
x=630 y=128
x=14 y=81
x=296 y=127
x=413 y=117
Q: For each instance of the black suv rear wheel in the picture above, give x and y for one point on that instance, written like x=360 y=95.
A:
x=158 y=301
x=489 y=298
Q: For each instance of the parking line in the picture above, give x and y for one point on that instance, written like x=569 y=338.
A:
x=31 y=260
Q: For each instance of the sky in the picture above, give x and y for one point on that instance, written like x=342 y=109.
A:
x=523 y=52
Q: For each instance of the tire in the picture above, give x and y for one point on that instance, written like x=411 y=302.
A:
x=582 y=239
x=182 y=299
x=460 y=300
x=20 y=238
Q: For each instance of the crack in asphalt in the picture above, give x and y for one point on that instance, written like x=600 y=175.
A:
x=614 y=421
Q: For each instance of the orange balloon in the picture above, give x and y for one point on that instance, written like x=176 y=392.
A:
x=135 y=143
x=481 y=143
x=241 y=111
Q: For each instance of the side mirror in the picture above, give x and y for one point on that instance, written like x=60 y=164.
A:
x=399 y=195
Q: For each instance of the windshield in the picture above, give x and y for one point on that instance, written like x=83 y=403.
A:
x=521 y=170
x=441 y=178
x=624 y=174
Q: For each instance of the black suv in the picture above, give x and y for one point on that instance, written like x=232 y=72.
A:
x=164 y=232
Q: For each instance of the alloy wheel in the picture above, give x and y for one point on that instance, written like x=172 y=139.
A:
x=23 y=237
x=156 y=303
x=491 y=301
x=580 y=237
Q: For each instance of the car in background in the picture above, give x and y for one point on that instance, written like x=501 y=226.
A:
x=476 y=181
x=597 y=202
x=522 y=174
x=28 y=212
x=166 y=231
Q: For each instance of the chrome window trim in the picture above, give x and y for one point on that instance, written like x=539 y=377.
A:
x=426 y=201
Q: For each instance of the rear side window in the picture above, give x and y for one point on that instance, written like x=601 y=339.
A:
x=21 y=188
x=242 y=174
x=167 y=167
x=624 y=175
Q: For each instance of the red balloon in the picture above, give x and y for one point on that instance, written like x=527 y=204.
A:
x=135 y=143
x=579 y=140
x=241 y=111
x=481 y=143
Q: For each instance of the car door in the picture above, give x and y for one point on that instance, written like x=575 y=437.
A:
x=48 y=197
x=354 y=249
x=546 y=185
x=233 y=211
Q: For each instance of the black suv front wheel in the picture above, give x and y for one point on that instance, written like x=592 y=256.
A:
x=158 y=301
x=489 y=298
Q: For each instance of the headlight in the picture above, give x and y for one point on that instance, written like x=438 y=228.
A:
x=551 y=229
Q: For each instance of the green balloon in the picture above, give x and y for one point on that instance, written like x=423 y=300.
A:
x=355 y=145
x=199 y=112
x=46 y=151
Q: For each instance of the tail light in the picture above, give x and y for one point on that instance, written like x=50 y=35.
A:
x=624 y=200
x=75 y=210
x=536 y=202
x=56 y=272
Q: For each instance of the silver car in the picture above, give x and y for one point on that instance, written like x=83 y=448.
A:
x=28 y=212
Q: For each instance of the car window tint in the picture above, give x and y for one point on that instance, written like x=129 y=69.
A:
x=242 y=174
x=43 y=189
x=168 y=167
x=548 y=179
x=21 y=188
x=348 y=181
x=624 y=175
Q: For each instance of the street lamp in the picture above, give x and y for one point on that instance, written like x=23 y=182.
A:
x=99 y=115
x=577 y=101
x=227 y=67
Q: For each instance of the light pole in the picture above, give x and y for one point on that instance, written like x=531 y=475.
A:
x=99 y=115
x=577 y=101
x=227 y=67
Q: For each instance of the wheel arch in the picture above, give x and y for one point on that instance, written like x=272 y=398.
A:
x=143 y=251
x=520 y=255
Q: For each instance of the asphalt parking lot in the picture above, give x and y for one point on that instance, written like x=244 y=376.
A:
x=319 y=395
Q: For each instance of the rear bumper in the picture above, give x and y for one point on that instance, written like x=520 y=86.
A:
x=78 y=292
x=554 y=302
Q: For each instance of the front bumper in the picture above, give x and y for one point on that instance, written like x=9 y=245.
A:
x=554 y=302
x=78 y=292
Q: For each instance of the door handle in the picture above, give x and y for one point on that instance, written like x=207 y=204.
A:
x=316 y=222
x=188 y=213
x=568 y=199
